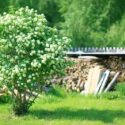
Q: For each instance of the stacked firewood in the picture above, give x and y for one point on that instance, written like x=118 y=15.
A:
x=113 y=62
x=78 y=73
x=116 y=63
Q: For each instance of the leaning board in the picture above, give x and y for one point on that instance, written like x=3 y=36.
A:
x=93 y=79
x=88 y=82
x=97 y=73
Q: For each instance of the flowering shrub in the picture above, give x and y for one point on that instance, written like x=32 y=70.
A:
x=30 y=51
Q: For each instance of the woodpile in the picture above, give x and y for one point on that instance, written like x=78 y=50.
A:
x=91 y=74
x=78 y=74
x=116 y=63
x=86 y=74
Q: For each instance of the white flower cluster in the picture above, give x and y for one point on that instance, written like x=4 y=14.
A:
x=28 y=53
x=35 y=64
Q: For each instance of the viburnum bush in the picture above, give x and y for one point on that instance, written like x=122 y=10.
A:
x=30 y=52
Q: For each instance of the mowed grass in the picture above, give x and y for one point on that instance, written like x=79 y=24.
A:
x=67 y=109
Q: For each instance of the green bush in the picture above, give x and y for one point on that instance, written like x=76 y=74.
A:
x=118 y=93
x=120 y=87
x=30 y=53
x=55 y=94
x=57 y=91
x=5 y=98
x=110 y=95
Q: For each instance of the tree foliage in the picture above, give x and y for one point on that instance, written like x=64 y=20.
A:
x=30 y=53
x=87 y=21
x=50 y=8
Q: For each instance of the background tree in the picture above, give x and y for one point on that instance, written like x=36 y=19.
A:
x=50 y=8
x=87 y=21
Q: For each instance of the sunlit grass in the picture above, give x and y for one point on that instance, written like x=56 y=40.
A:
x=60 y=108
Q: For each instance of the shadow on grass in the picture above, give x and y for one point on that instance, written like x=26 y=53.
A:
x=106 y=116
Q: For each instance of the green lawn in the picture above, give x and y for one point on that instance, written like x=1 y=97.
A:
x=68 y=110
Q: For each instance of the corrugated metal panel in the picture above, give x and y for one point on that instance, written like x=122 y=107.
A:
x=96 y=51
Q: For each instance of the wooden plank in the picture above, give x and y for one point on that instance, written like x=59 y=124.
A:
x=100 y=83
x=95 y=78
x=88 y=82
x=104 y=81
x=112 y=82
